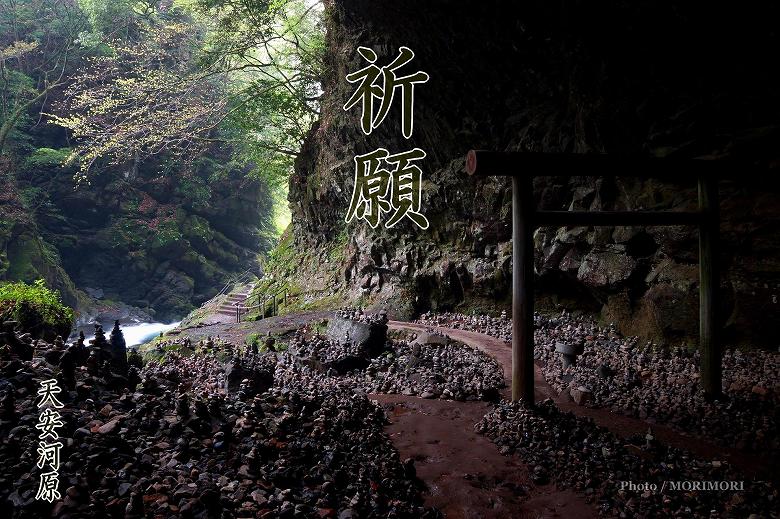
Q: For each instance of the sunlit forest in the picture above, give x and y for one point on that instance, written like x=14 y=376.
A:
x=152 y=104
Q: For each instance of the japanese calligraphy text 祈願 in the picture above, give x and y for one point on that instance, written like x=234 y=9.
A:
x=386 y=182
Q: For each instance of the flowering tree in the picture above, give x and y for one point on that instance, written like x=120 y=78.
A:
x=244 y=73
x=144 y=99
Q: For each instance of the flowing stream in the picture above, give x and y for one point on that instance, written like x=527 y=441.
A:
x=140 y=333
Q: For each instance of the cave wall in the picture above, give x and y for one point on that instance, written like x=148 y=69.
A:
x=680 y=79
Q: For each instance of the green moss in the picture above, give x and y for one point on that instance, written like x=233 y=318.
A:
x=197 y=227
x=195 y=190
x=31 y=197
x=47 y=157
x=253 y=339
x=156 y=351
x=338 y=246
x=320 y=327
x=23 y=254
x=4 y=264
x=5 y=227
x=166 y=233
x=126 y=234
x=281 y=260
x=37 y=308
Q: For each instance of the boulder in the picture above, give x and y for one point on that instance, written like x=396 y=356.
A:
x=581 y=395
x=428 y=338
x=569 y=349
x=600 y=269
x=367 y=337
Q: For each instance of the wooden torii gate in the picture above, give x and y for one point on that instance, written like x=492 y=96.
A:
x=523 y=167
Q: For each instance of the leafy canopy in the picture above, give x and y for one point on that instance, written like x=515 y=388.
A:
x=178 y=79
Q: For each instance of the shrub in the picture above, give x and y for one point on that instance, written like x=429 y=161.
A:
x=37 y=309
x=135 y=359
x=253 y=339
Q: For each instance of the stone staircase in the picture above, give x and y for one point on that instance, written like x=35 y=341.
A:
x=227 y=308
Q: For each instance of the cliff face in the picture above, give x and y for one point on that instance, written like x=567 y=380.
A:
x=24 y=255
x=162 y=241
x=621 y=77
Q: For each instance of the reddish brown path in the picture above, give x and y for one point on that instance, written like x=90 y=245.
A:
x=620 y=425
x=466 y=475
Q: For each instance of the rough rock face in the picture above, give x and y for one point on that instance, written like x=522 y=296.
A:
x=23 y=253
x=554 y=77
x=159 y=242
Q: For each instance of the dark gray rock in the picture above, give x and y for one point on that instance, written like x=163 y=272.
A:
x=427 y=338
x=368 y=337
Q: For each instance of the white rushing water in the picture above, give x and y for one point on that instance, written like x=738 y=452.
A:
x=136 y=334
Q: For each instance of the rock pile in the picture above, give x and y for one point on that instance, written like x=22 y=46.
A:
x=575 y=453
x=597 y=367
x=365 y=335
x=357 y=314
x=450 y=371
x=324 y=354
x=499 y=327
x=172 y=443
x=663 y=385
x=428 y=368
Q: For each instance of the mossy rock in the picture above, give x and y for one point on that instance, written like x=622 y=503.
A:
x=37 y=310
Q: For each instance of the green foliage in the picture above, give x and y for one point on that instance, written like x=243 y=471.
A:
x=107 y=17
x=31 y=196
x=166 y=233
x=195 y=189
x=17 y=88
x=49 y=253
x=320 y=327
x=46 y=158
x=5 y=226
x=206 y=90
x=176 y=78
x=281 y=258
x=35 y=307
x=127 y=234
x=153 y=102
x=195 y=226
x=273 y=51
x=37 y=50
x=253 y=339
